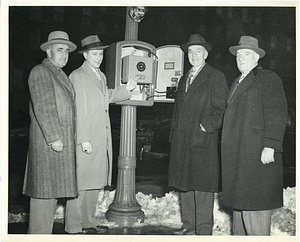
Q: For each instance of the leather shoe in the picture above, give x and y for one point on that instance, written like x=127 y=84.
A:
x=95 y=230
x=184 y=231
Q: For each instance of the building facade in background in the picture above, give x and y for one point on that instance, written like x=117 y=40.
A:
x=274 y=27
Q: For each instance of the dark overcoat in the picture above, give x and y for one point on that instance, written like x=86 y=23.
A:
x=255 y=118
x=50 y=174
x=94 y=170
x=194 y=162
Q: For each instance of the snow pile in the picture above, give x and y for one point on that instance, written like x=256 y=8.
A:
x=222 y=218
x=165 y=211
x=284 y=219
x=162 y=211
x=105 y=198
x=289 y=199
x=59 y=213
x=17 y=218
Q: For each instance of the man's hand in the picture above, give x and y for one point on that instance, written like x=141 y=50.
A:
x=131 y=84
x=86 y=147
x=267 y=155
x=57 y=145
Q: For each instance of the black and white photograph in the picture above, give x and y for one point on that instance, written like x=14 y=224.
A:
x=166 y=121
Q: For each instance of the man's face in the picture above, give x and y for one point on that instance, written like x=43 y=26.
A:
x=246 y=60
x=197 y=55
x=94 y=57
x=59 y=54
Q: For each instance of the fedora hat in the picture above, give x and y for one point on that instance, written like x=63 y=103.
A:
x=196 y=39
x=58 y=37
x=91 y=42
x=248 y=42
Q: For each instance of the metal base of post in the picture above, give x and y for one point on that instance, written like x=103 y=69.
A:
x=127 y=219
x=125 y=210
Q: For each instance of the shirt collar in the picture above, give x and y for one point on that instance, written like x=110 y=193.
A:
x=94 y=69
x=52 y=61
x=196 y=68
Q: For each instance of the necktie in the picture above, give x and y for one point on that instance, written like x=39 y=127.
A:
x=236 y=86
x=241 y=78
x=98 y=73
x=189 y=79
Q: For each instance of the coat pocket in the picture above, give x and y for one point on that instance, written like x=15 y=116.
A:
x=201 y=139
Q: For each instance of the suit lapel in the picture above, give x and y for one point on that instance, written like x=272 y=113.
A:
x=199 y=79
x=66 y=81
x=245 y=84
x=93 y=78
x=60 y=76
x=182 y=85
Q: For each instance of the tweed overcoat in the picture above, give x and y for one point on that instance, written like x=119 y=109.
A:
x=194 y=162
x=255 y=118
x=93 y=125
x=50 y=174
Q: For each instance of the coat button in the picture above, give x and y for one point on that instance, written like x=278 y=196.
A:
x=106 y=110
x=106 y=127
x=179 y=130
x=181 y=115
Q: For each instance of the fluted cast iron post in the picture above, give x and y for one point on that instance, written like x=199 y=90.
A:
x=125 y=210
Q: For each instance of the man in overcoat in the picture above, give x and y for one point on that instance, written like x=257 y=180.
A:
x=198 y=112
x=50 y=170
x=94 y=142
x=252 y=135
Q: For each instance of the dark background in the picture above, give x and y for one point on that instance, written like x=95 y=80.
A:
x=29 y=26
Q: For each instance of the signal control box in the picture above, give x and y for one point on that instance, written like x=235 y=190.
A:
x=137 y=66
x=158 y=70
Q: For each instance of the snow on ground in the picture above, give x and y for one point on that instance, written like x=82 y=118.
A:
x=165 y=211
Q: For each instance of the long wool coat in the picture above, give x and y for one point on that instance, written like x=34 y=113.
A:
x=50 y=174
x=255 y=118
x=93 y=125
x=194 y=163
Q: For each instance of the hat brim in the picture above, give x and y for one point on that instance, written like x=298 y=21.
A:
x=186 y=46
x=93 y=48
x=45 y=45
x=234 y=49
